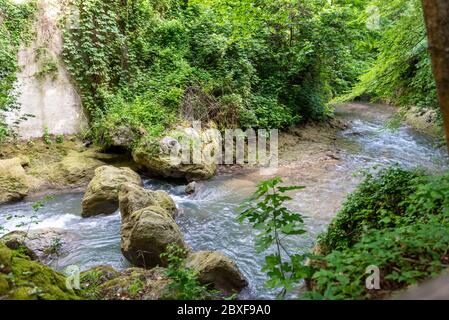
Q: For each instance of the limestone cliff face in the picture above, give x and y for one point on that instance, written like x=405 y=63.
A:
x=44 y=88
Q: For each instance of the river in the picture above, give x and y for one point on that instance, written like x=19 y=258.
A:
x=207 y=219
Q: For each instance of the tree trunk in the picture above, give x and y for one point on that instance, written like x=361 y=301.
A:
x=436 y=13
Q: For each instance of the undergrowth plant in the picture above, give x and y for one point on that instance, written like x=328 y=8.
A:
x=267 y=213
x=184 y=281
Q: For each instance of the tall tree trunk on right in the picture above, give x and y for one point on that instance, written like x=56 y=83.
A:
x=436 y=13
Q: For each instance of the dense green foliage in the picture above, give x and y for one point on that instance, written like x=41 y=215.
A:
x=397 y=220
x=404 y=255
x=149 y=65
x=379 y=202
x=400 y=72
x=14 y=30
x=267 y=213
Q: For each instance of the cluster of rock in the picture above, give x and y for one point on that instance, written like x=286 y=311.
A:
x=149 y=227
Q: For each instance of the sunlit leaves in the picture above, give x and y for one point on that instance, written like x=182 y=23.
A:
x=266 y=212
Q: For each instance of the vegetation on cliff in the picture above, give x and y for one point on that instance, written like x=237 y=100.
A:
x=15 y=22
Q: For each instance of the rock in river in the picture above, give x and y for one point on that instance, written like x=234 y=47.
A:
x=148 y=226
x=101 y=196
x=217 y=270
x=24 y=279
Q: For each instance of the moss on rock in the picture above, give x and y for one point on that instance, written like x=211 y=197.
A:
x=24 y=279
x=14 y=182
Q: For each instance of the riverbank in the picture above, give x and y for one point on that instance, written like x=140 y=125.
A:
x=54 y=165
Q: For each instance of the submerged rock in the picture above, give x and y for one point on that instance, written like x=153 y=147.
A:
x=24 y=279
x=191 y=188
x=120 y=137
x=14 y=182
x=217 y=270
x=101 y=196
x=40 y=245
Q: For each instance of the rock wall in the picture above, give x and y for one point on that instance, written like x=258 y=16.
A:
x=50 y=97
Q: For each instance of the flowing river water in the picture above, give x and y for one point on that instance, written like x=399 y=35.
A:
x=208 y=218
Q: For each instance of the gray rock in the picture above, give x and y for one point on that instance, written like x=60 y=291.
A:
x=101 y=196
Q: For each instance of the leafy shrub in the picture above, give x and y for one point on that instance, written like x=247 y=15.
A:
x=380 y=201
x=397 y=220
x=431 y=198
x=404 y=255
x=266 y=212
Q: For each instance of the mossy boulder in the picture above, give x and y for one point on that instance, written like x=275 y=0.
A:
x=120 y=137
x=102 y=192
x=105 y=283
x=93 y=278
x=147 y=225
x=146 y=233
x=44 y=245
x=14 y=182
x=217 y=270
x=24 y=279
x=78 y=168
x=136 y=284
x=158 y=160
x=133 y=198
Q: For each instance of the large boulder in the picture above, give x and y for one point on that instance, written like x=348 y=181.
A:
x=133 y=198
x=159 y=160
x=217 y=270
x=101 y=196
x=145 y=235
x=24 y=279
x=147 y=225
x=191 y=187
x=44 y=245
x=14 y=182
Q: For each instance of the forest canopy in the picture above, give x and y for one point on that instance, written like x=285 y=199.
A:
x=261 y=64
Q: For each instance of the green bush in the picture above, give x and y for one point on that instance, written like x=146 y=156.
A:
x=14 y=30
x=397 y=220
x=380 y=201
x=404 y=255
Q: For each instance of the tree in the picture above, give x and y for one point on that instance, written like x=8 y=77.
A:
x=436 y=13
